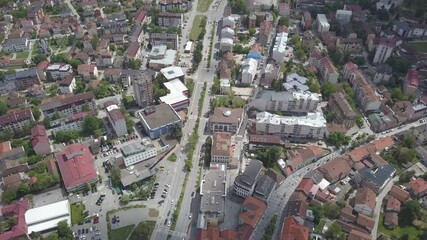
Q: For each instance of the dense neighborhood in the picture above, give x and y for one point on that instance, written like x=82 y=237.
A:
x=213 y=119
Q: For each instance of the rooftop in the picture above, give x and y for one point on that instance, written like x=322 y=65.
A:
x=135 y=148
x=172 y=72
x=418 y=185
x=221 y=143
x=159 y=115
x=250 y=175
x=177 y=91
x=226 y=115
x=312 y=119
x=365 y=196
x=293 y=231
x=252 y=211
x=213 y=191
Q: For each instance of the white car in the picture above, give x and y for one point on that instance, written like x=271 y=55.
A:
x=169 y=223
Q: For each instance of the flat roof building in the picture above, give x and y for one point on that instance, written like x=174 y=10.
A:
x=213 y=191
x=244 y=184
x=48 y=216
x=177 y=96
x=226 y=119
x=159 y=120
x=135 y=152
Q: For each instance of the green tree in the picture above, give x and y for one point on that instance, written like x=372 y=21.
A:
x=410 y=212
x=331 y=210
x=328 y=89
x=284 y=21
x=143 y=231
x=252 y=32
x=95 y=42
x=176 y=132
x=91 y=124
x=64 y=230
x=313 y=85
x=335 y=232
x=216 y=86
x=400 y=65
x=3 y=108
x=135 y=64
x=36 y=113
x=338 y=139
x=52 y=236
x=188 y=165
x=23 y=189
x=80 y=86
x=238 y=6
x=8 y=196
x=116 y=176
x=408 y=140
x=39 y=58
x=75 y=62
x=269 y=155
x=66 y=136
x=406 y=176
x=125 y=199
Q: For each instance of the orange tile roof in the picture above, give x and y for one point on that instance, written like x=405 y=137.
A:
x=399 y=193
x=393 y=203
x=253 y=210
x=418 y=185
x=383 y=143
x=293 y=231
x=5 y=147
x=366 y=196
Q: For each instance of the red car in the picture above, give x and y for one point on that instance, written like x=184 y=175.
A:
x=96 y=220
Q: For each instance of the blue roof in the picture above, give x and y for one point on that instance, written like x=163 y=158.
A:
x=254 y=55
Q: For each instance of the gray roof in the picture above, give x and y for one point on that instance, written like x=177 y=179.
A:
x=159 y=115
x=31 y=72
x=213 y=191
x=250 y=174
x=136 y=30
x=378 y=176
x=265 y=185
x=314 y=175
x=14 y=41
x=134 y=148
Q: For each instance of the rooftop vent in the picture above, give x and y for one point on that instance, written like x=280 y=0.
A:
x=227 y=113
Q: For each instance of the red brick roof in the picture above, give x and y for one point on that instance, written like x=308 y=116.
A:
x=357 y=235
x=418 y=185
x=38 y=135
x=365 y=221
x=293 y=231
x=213 y=233
x=5 y=147
x=336 y=169
x=76 y=165
x=399 y=194
x=86 y=68
x=265 y=139
x=140 y=16
x=15 y=115
x=393 y=203
x=305 y=186
x=412 y=78
x=365 y=196
x=253 y=209
x=18 y=210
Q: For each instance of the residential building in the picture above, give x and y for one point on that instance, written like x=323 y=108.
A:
x=229 y=22
x=70 y=123
x=336 y=169
x=258 y=142
x=365 y=201
x=16 y=211
x=412 y=82
x=140 y=16
x=322 y=23
x=349 y=45
x=325 y=67
x=87 y=71
x=295 y=82
x=213 y=190
x=297 y=207
x=297 y=103
x=299 y=157
x=377 y=178
x=393 y=205
x=244 y=184
x=169 y=5
x=20 y=80
x=104 y=59
x=161 y=57
x=249 y=68
x=137 y=152
x=250 y=215
x=58 y=71
x=13 y=154
x=265 y=30
x=312 y=126
x=15 y=45
x=270 y=73
x=143 y=89
x=418 y=188
x=77 y=167
x=343 y=16
x=10 y=167
x=391 y=220
x=67 y=84
x=279 y=48
x=383 y=73
x=403 y=29
x=40 y=140
x=177 y=96
x=284 y=9
x=225 y=86
x=167 y=19
x=306 y=20
x=116 y=118
x=399 y=193
x=341 y=110
x=226 y=119
x=264 y=188
x=115 y=23
x=169 y=39
x=292 y=230
x=134 y=51
x=136 y=34
x=5 y=147
x=227 y=32
x=221 y=150
x=16 y=120
x=67 y=104
x=226 y=45
x=384 y=50
x=159 y=120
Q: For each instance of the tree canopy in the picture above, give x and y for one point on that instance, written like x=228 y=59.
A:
x=328 y=89
x=92 y=126
x=410 y=212
x=3 y=108
x=338 y=139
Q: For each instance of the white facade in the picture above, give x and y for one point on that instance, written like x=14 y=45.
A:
x=225 y=86
x=297 y=102
x=227 y=32
x=48 y=216
x=249 y=67
x=226 y=44
x=15 y=45
x=58 y=71
x=343 y=16
x=279 y=48
x=135 y=153
x=117 y=120
x=65 y=125
x=229 y=22
x=70 y=88
x=322 y=23
x=383 y=52
x=311 y=126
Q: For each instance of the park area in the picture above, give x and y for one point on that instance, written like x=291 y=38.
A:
x=199 y=24
x=203 y=5
x=419 y=46
x=77 y=210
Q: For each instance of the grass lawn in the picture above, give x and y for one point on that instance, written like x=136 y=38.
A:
x=196 y=29
x=319 y=227
x=203 y=5
x=277 y=168
x=121 y=233
x=413 y=232
x=22 y=55
x=419 y=46
x=143 y=231
x=172 y=158
x=77 y=210
x=35 y=49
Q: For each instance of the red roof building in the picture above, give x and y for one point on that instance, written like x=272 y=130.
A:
x=76 y=166
x=393 y=204
x=18 y=211
x=294 y=231
x=399 y=193
x=213 y=233
x=418 y=187
x=305 y=186
x=252 y=211
x=140 y=16
x=412 y=81
x=40 y=141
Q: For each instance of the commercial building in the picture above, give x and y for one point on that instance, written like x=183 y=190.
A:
x=279 y=48
x=135 y=152
x=384 y=50
x=47 y=217
x=168 y=5
x=343 y=16
x=221 y=150
x=248 y=67
x=311 y=126
x=16 y=120
x=213 y=191
x=143 y=89
x=40 y=141
x=159 y=120
x=59 y=70
x=68 y=104
x=116 y=118
x=289 y=102
x=341 y=110
x=177 y=96
x=264 y=188
x=77 y=167
x=244 y=184
x=225 y=119
x=161 y=57
x=227 y=32
x=71 y=123
x=15 y=45
x=173 y=72
x=251 y=212
x=169 y=39
x=322 y=23
x=167 y=19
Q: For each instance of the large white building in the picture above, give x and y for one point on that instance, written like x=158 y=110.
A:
x=292 y=102
x=343 y=16
x=177 y=96
x=249 y=67
x=226 y=44
x=59 y=70
x=312 y=126
x=48 y=216
x=116 y=119
x=138 y=152
x=279 y=49
x=322 y=23
x=384 y=50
